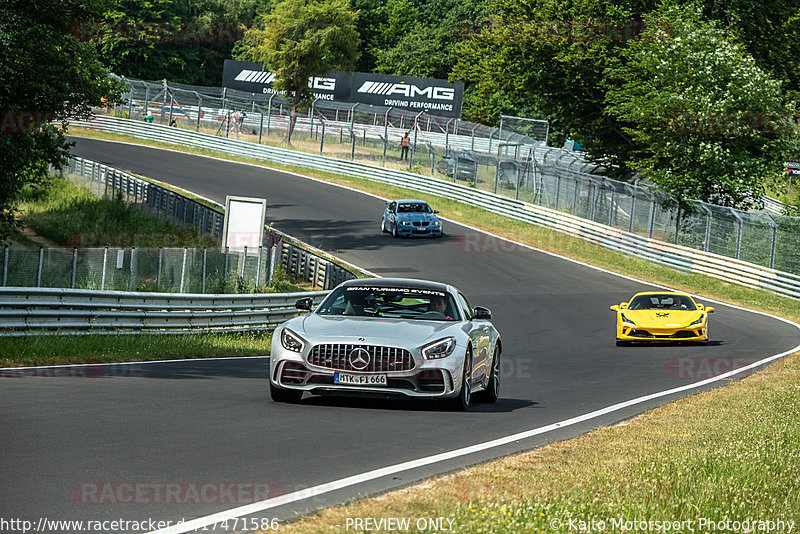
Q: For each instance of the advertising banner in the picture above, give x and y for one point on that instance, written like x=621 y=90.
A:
x=435 y=96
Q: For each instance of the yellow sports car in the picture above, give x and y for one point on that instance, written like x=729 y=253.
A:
x=661 y=316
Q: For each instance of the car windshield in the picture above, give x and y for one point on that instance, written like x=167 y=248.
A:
x=662 y=302
x=390 y=302
x=415 y=207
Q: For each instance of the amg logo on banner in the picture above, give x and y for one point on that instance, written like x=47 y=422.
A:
x=407 y=90
x=438 y=97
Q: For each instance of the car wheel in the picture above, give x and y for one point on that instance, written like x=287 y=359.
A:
x=394 y=230
x=461 y=402
x=492 y=391
x=383 y=226
x=284 y=395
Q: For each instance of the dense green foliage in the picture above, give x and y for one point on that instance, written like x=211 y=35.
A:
x=703 y=119
x=702 y=105
x=183 y=41
x=585 y=65
x=301 y=39
x=47 y=75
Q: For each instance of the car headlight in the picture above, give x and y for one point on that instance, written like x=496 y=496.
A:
x=439 y=349
x=292 y=341
x=405 y=223
x=698 y=322
x=436 y=223
x=627 y=321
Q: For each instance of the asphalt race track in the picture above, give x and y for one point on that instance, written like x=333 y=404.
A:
x=69 y=435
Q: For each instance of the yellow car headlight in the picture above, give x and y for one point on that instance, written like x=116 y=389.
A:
x=627 y=321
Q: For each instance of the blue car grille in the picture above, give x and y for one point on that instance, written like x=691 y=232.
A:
x=381 y=359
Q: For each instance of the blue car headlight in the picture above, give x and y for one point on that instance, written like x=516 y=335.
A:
x=436 y=223
x=439 y=349
x=627 y=321
x=292 y=341
x=405 y=223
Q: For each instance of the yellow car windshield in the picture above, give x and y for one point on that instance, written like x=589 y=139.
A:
x=662 y=302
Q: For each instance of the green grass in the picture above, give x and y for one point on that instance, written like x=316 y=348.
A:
x=70 y=215
x=52 y=350
x=726 y=454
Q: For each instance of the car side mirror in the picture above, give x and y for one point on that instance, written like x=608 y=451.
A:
x=304 y=303
x=623 y=305
x=482 y=313
x=435 y=211
x=709 y=309
x=614 y=307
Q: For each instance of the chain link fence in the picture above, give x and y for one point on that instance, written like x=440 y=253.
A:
x=511 y=160
x=163 y=269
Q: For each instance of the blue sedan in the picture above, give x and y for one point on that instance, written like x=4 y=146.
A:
x=410 y=217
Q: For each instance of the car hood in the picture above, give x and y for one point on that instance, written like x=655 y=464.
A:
x=374 y=331
x=662 y=318
x=417 y=217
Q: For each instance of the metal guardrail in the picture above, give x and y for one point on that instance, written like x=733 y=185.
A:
x=38 y=311
x=677 y=256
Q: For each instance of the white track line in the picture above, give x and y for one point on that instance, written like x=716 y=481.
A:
x=328 y=487
x=428 y=460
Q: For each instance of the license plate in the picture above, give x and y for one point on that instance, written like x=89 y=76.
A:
x=359 y=380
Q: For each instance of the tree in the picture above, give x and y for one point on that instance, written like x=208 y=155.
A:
x=184 y=41
x=48 y=75
x=704 y=120
x=301 y=39
x=550 y=57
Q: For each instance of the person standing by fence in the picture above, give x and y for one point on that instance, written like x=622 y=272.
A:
x=404 y=144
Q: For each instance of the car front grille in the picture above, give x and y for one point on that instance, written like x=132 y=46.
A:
x=680 y=334
x=381 y=359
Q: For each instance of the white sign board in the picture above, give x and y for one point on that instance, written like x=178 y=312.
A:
x=244 y=223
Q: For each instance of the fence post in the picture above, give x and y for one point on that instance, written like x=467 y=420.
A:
x=740 y=224
x=39 y=269
x=273 y=253
x=183 y=268
x=199 y=110
x=652 y=222
x=105 y=262
x=225 y=266
x=774 y=227
x=74 y=266
x=258 y=266
x=633 y=211
x=203 y=286
x=132 y=266
x=611 y=209
x=260 y=124
x=5 y=265
x=244 y=263
x=160 y=259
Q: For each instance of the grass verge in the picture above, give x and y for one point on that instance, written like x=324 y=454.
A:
x=70 y=215
x=538 y=237
x=725 y=455
x=55 y=350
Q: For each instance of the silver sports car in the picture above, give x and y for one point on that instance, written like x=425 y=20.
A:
x=388 y=337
